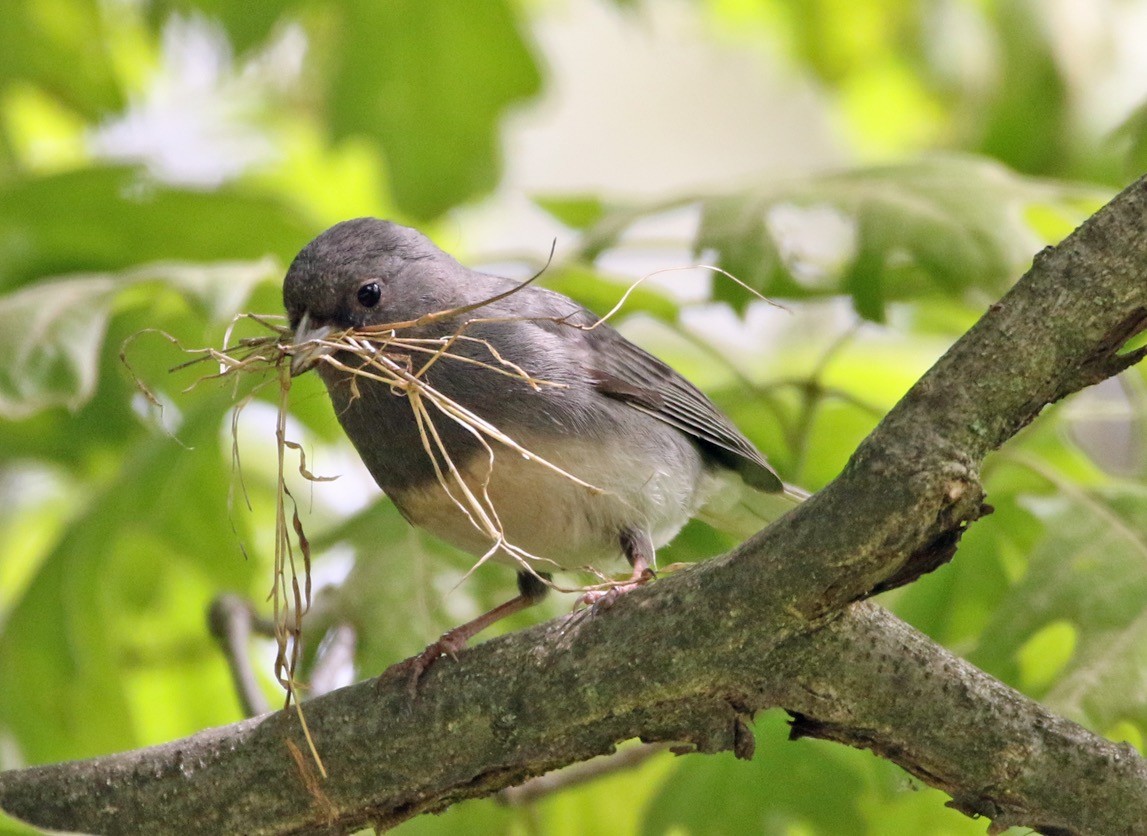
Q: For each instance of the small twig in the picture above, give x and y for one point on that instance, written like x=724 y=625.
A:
x=812 y=395
x=335 y=655
x=1100 y=510
x=232 y=621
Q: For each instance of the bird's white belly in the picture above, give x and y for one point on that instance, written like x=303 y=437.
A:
x=563 y=523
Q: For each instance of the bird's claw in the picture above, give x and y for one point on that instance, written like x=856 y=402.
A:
x=602 y=599
x=416 y=667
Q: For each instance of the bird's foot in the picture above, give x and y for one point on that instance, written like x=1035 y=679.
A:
x=601 y=599
x=414 y=668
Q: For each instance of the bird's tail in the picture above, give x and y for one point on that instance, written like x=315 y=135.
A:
x=742 y=511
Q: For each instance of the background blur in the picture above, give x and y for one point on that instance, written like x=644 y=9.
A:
x=884 y=170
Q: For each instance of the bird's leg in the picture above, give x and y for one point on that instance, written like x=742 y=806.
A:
x=532 y=588
x=638 y=549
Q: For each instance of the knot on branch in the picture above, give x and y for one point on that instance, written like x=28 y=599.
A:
x=936 y=552
x=722 y=726
x=1107 y=361
x=955 y=495
x=919 y=496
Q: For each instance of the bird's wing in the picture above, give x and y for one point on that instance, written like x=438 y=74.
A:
x=621 y=370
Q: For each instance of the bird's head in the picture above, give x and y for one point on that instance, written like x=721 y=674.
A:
x=360 y=273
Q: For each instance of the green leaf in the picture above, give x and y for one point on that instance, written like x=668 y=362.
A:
x=52 y=332
x=955 y=604
x=1085 y=588
x=601 y=294
x=808 y=787
x=57 y=46
x=1131 y=138
x=50 y=340
x=13 y=827
x=950 y=225
x=430 y=81
x=782 y=787
x=133 y=570
x=110 y=218
x=1026 y=123
x=406 y=586
x=575 y=212
x=247 y=24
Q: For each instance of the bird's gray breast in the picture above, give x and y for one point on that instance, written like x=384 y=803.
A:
x=628 y=470
x=518 y=379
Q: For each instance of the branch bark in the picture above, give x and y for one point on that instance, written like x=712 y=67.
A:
x=691 y=657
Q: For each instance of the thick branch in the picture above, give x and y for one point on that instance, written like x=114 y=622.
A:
x=997 y=753
x=496 y=718
x=687 y=657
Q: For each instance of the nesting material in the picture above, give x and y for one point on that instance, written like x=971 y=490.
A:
x=382 y=356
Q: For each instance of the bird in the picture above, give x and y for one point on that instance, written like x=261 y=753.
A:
x=615 y=452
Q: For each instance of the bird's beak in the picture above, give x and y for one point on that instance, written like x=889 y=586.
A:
x=308 y=347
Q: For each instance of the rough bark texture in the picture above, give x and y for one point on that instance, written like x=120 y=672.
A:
x=689 y=658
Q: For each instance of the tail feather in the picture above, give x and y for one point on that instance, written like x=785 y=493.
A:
x=742 y=511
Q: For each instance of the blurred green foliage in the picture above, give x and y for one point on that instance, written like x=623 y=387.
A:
x=118 y=524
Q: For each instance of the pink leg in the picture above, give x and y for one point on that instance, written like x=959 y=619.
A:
x=531 y=590
x=638 y=550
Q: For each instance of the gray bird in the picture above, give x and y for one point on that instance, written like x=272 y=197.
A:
x=654 y=449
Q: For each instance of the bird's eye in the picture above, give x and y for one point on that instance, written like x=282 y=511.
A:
x=369 y=294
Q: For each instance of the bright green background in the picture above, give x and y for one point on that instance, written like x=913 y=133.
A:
x=115 y=536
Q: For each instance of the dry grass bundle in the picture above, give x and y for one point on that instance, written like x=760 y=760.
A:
x=382 y=356
x=268 y=357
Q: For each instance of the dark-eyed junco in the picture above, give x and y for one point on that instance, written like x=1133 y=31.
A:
x=648 y=450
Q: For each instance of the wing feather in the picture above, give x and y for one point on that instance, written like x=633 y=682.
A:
x=626 y=372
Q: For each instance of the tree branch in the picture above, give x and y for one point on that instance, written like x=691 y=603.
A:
x=690 y=657
x=231 y=620
x=494 y=719
x=997 y=753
